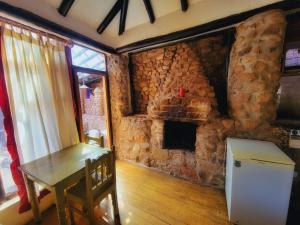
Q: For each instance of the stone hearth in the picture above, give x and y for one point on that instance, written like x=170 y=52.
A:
x=179 y=135
x=198 y=67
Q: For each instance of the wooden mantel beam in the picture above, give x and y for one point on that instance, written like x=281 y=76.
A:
x=184 y=5
x=123 y=16
x=112 y=13
x=65 y=6
x=149 y=10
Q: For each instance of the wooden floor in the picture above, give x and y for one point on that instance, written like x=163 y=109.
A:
x=149 y=197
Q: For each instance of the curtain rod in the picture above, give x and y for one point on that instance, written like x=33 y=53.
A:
x=36 y=30
x=49 y=34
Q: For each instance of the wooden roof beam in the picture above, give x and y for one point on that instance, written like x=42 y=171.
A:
x=65 y=6
x=112 y=13
x=149 y=10
x=184 y=5
x=123 y=16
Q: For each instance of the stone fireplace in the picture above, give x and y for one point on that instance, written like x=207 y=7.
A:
x=179 y=135
x=154 y=126
x=181 y=70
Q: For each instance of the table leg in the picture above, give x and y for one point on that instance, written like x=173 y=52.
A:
x=60 y=205
x=33 y=199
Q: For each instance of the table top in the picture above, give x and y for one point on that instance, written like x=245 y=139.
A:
x=60 y=165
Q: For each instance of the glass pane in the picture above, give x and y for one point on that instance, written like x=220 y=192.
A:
x=92 y=100
x=292 y=57
x=289 y=98
x=7 y=184
x=88 y=58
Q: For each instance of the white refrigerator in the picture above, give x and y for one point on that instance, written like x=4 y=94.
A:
x=258 y=182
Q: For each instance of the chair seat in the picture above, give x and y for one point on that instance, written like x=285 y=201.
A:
x=77 y=193
x=99 y=182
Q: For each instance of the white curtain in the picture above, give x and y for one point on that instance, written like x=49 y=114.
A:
x=39 y=91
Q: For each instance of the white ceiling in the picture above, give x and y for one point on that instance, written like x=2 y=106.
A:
x=86 y=15
x=92 y=12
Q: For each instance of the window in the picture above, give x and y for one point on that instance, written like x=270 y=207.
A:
x=7 y=185
x=87 y=58
x=292 y=57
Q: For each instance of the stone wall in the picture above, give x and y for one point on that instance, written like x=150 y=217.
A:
x=95 y=104
x=253 y=80
x=254 y=74
x=120 y=101
x=197 y=66
x=93 y=108
x=134 y=134
x=184 y=71
x=92 y=122
x=254 y=71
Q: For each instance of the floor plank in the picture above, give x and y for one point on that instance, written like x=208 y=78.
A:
x=148 y=197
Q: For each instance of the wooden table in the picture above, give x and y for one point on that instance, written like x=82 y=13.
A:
x=58 y=171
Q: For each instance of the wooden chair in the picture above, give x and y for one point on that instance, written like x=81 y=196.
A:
x=100 y=181
x=98 y=140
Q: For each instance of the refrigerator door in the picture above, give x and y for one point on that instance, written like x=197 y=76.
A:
x=228 y=181
x=260 y=192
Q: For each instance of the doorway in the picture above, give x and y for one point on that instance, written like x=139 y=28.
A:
x=92 y=102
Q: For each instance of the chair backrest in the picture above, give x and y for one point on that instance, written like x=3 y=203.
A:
x=99 y=140
x=99 y=172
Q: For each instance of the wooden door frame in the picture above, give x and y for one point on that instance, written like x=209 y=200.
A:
x=79 y=121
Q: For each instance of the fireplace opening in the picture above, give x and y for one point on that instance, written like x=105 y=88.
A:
x=179 y=135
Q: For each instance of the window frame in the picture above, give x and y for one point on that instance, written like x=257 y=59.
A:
x=86 y=68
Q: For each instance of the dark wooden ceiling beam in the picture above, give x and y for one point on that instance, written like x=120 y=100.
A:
x=207 y=27
x=51 y=26
x=123 y=16
x=65 y=6
x=149 y=10
x=184 y=5
x=112 y=13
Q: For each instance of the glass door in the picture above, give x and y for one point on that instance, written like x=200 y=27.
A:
x=93 y=108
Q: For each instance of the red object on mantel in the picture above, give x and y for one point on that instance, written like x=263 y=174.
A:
x=181 y=92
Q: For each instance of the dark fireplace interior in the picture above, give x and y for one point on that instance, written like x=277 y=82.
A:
x=179 y=135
